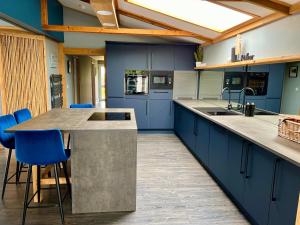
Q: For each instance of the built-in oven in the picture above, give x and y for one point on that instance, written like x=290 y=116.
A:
x=136 y=82
x=258 y=81
x=161 y=79
x=235 y=81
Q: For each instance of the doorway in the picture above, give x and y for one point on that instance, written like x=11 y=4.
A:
x=85 y=77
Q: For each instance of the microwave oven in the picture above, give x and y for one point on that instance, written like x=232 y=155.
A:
x=161 y=79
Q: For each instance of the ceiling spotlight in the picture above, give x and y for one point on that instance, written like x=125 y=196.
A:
x=109 y=24
x=104 y=12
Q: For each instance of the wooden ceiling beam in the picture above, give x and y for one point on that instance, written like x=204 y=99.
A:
x=107 y=6
x=258 y=23
x=159 y=24
x=85 y=51
x=120 y=31
x=44 y=12
x=295 y=8
x=275 y=6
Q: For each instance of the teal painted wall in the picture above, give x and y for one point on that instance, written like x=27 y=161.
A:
x=27 y=13
x=291 y=92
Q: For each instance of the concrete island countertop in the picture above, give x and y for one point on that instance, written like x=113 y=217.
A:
x=261 y=130
x=70 y=120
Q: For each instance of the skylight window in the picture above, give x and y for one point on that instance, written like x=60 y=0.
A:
x=199 y=12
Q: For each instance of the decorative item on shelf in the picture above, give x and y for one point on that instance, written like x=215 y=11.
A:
x=198 y=54
x=289 y=128
x=293 y=72
x=233 y=55
x=238 y=47
x=247 y=57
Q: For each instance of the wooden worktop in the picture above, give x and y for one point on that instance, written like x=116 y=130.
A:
x=261 y=130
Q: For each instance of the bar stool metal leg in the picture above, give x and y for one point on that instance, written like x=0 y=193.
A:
x=17 y=172
x=26 y=194
x=6 y=172
x=58 y=193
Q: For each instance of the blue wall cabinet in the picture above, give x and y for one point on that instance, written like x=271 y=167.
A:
x=273 y=105
x=141 y=111
x=218 y=150
x=162 y=57
x=259 y=68
x=275 y=83
x=135 y=56
x=202 y=140
x=184 y=57
x=236 y=166
x=258 y=183
x=235 y=69
x=115 y=102
x=285 y=193
x=115 y=70
x=160 y=114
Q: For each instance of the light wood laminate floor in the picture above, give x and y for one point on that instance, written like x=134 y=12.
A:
x=172 y=189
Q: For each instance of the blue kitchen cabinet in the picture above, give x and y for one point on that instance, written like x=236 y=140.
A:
x=115 y=102
x=218 y=150
x=259 y=68
x=136 y=56
x=160 y=94
x=184 y=57
x=275 y=83
x=235 y=69
x=202 y=140
x=285 y=194
x=162 y=57
x=185 y=126
x=236 y=166
x=115 y=70
x=160 y=114
x=141 y=111
x=273 y=105
x=259 y=168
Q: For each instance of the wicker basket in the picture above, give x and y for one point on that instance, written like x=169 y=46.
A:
x=289 y=128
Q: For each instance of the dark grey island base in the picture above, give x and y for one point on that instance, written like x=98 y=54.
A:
x=103 y=157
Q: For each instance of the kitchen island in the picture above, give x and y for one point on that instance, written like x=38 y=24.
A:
x=103 y=155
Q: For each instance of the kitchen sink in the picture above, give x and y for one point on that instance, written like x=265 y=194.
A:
x=217 y=111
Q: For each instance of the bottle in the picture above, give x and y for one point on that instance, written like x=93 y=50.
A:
x=247 y=109
x=252 y=109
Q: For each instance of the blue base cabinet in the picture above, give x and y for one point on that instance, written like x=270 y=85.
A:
x=141 y=111
x=265 y=186
x=218 y=150
x=202 y=140
x=284 y=197
x=115 y=102
x=259 y=169
x=235 y=167
x=160 y=114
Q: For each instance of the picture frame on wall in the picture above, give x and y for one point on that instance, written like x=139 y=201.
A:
x=293 y=72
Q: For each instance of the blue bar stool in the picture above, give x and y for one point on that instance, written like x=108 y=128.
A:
x=81 y=106
x=7 y=140
x=43 y=147
x=78 y=106
x=22 y=115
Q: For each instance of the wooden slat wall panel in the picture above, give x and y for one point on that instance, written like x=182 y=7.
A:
x=23 y=79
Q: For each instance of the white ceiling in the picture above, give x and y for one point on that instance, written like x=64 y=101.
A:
x=179 y=24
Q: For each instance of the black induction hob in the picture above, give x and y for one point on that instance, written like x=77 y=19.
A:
x=103 y=116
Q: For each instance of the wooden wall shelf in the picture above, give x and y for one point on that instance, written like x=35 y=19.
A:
x=274 y=60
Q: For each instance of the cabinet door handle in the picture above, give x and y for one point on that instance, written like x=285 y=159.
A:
x=274 y=182
x=146 y=108
x=195 y=126
x=160 y=92
x=242 y=168
x=247 y=175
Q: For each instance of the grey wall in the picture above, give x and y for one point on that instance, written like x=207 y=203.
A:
x=291 y=92
x=85 y=71
x=276 y=39
x=86 y=40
